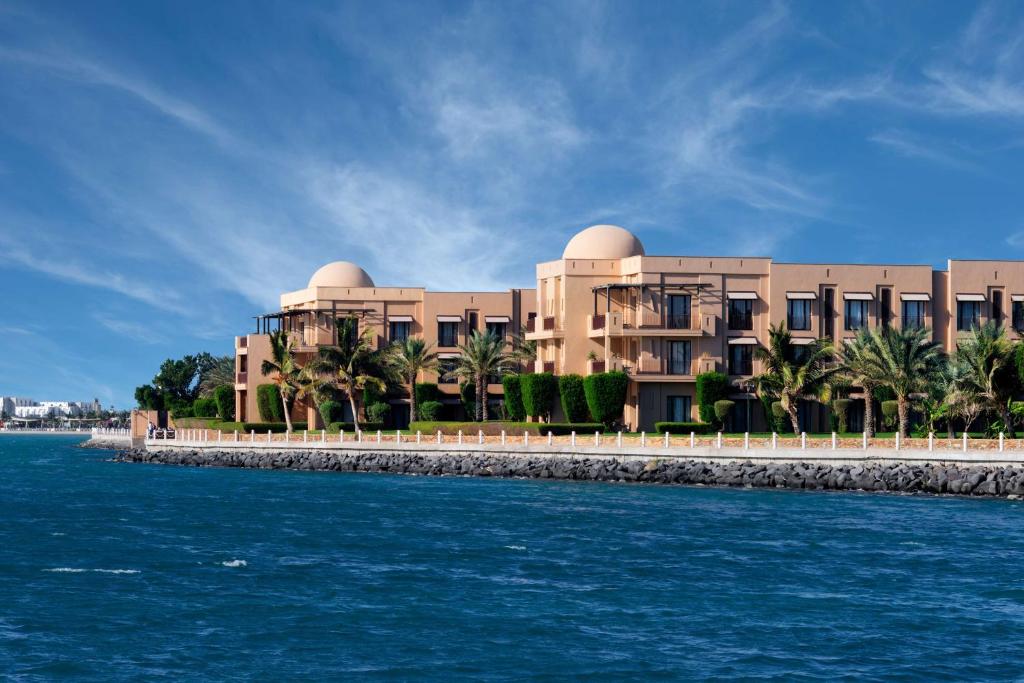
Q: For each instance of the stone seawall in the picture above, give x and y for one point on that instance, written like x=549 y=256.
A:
x=975 y=480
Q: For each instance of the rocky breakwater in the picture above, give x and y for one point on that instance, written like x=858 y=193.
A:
x=977 y=480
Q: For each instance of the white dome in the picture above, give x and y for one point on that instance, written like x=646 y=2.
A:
x=341 y=274
x=603 y=242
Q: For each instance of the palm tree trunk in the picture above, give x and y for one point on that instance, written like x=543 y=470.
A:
x=479 y=407
x=793 y=418
x=483 y=398
x=284 y=404
x=412 y=398
x=1004 y=410
x=869 y=412
x=903 y=409
x=355 y=410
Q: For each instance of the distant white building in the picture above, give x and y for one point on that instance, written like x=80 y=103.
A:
x=16 y=406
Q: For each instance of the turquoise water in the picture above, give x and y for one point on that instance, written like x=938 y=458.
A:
x=116 y=571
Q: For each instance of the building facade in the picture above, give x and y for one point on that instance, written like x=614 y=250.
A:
x=607 y=305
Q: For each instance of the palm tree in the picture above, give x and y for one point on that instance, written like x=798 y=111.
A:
x=906 y=360
x=409 y=359
x=352 y=365
x=794 y=372
x=283 y=368
x=524 y=351
x=854 y=359
x=987 y=359
x=221 y=371
x=311 y=384
x=482 y=355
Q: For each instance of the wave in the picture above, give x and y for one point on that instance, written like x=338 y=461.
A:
x=235 y=563
x=80 y=570
x=516 y=547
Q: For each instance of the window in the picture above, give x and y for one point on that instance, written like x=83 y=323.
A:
x=444 y=366
x=678 y=314
x=885 y=307
x=741 y=314
x=828 y=313
x=798 y=314
x=399 y=331
x=678 y=409
x=471 y=322
x=741 y=359
x=997 y=306
x=799 y=353
x=497 y=329
x=1018 y=316
x=856 y=317
x=913 y=314
x=447 y=334
x=968 y=314
x=679 y=358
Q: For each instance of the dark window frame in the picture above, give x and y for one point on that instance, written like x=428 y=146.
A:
x=445 y=334
x=678 y=317
x=685 y=364
x=686 y=412
x=744 y=364
x=965 y=323
x=850 y=320
x=741 y=314
x=911 y=319
x=392 y=337
x=792 y=319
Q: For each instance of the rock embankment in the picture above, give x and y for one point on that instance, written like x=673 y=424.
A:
x=110 y=443
x=979 y=480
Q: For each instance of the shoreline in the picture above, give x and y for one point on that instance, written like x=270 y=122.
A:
x=976 y=480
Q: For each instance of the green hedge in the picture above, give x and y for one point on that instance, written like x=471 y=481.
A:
x=229 y=426
x=430 y=411
x=272 y=426
x=539 y=390
x=224 y=396
x=427 y=391
x=336 y=427
x=711 y=387
x=512 y=386
x=331 y=411
x=574 y=398
x=204 y=407
x=606 y=396
x=268 y=400
x=684 y=427
x=512 y=429
x=378 y=412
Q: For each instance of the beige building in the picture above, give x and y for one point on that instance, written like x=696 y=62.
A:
x=341 y=289
x=607 y=305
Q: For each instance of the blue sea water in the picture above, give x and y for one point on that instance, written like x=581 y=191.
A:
x=115 y=571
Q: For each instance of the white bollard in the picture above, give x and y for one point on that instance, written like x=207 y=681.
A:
x=597 y=438
x=252 y=436
x=833 y=440
x=419 y=436
x=572 y=439
x=359 y=436
x=897 y=440
x=931 y=441
x=460 y=436
x=480 y=436
x=305 y=436
x=550 y=438
x=269 y=438
x=1000 y=442
x=965 y=442
x=526 y=438
x=693 y=438
x=803 y=440
x=746 y=441
x=219 y=435
x=643 y=439
x=502 y=437
x=439 y=436
x=398 y=436
x=378 y=436
x=236 y=436
x=864 y=439
x=667 y=442
x=618 y=440
x=775 y=441
x=719 y=441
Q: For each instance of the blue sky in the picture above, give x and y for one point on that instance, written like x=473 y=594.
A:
x=166 y=170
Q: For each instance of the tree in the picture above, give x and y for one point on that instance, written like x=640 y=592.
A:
x=859 y=368
x=987 y=360
x=794 y=373
x=220 y=371
x=283 y=370
x=179 y=379
x=906 y=360
x=524 y=351
x=711 y=387
x=606 y=396
x=574 y=399
x=482 y=356
x=149 y=397
x=410 y=358
x=352 y=365
x=512 y=385
x=539 y=390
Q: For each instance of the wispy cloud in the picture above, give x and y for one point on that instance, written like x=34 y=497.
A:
x=132 y=330
x=914 y=147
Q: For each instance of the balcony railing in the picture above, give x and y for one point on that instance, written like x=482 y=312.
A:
x=741 y=322
x=243 y=342
x=597 y=323
x=597 y=366
x=681 y=322
x=743 y=367
x=549 y=322
x=241 y=377
x=531 y=324
x=549 y=366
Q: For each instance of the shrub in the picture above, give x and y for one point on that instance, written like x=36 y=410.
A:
x=606 y=396
x=268 y=400
x=336 y=427
x=331 y=411
x=182 y=410
x=378 y=412
x=539 y=390
x=259 y=427
x=683 y=427
x=841 y=408
x=204 y=407
x=890 y=412
x=427 y=391
x=711 y=387
x=430 y=411
x=574 y=398
x=224 y=396
x=229 y=426
x=467 y=394
x=512 y=429
x=722 y=409
x=513 y=397
x=778 y=411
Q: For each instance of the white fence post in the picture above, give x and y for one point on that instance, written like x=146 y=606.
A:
x=719 y=441
x=550 y=438
x=305 y=436
x=378 y=436
x=398 y=436
x=1000 y=442
x=643 y=439
x=236 y=436
x=775 y=441
x=460 y=436
x=252 y=436
x=897 y=440
x=359 y=436
x=931 y=441
x=269 y=438
x=419 y=436
x=864 y=439
x=597 y=438
x=439 y=436
x=219 y=435
x=502 y=437
x=480 y=436
x=965 y=441
x=693 y=438
x=746 y=441
x=618 y=439
x=667 y=441
x=572 y=438
x=833 y=440
x=526 y=438
x=803 y=440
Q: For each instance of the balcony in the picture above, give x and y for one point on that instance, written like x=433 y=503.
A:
x=618 y=324
x=548 y=366
x=548 y=329
x=531 y=324
x=241 y=377
x=682 y=322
